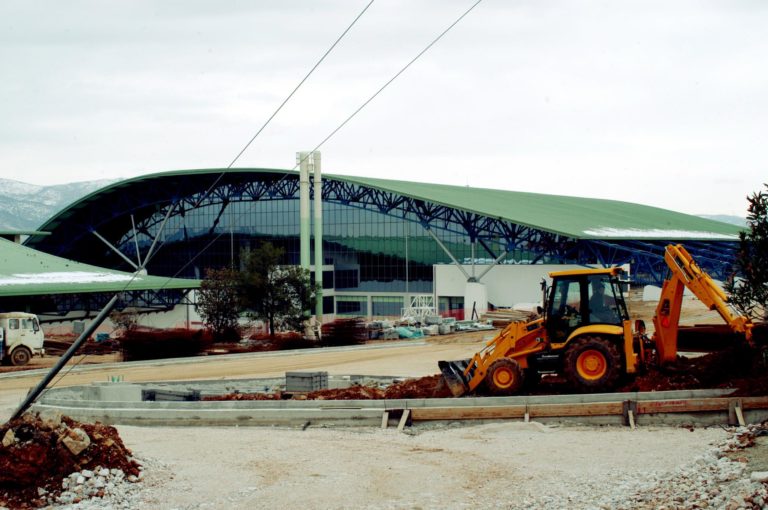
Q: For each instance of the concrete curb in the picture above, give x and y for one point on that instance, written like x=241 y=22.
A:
x=81 y=403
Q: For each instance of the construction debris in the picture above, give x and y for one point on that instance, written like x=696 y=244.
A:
x=424 y=387
x=49 y=458
x=738 y=367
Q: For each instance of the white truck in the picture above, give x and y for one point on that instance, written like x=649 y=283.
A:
x=20 y=338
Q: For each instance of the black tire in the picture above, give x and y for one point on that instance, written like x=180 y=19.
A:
x=592 y=364
x=504 y=377
x=20 y=356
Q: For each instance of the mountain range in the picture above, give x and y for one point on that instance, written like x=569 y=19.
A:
x=27 y=206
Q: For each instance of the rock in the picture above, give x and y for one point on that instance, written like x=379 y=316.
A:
x=87 y=473
x=50 y=420
x=76 y=441
x=9 y=438
x=759 y=476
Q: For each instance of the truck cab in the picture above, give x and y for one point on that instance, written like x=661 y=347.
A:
x=20 y=338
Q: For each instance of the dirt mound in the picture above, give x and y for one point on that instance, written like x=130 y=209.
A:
x=244 y=396
x=351 y=393
x=38 y=452
x=739 y=367
x=424 y=387
x=432 y=386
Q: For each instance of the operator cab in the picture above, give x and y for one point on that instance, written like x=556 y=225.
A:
x=582 y=298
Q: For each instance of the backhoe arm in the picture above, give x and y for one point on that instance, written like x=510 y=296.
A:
x=684 y=272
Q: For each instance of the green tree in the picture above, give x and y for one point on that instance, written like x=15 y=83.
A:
x=218 y=303
x=749 y=292
x=274 y=293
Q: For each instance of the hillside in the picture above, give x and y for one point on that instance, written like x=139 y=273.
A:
x=27 y=206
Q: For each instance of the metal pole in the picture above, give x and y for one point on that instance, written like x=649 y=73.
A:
x=66 y=357
x=136 y=241
x=450 y=255
x=304 y=219
x=154 y=241
x=111 y=246
x=318 y=180
x=495 y=263
x=407 y=276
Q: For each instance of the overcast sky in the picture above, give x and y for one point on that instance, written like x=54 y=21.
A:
x=657 y=102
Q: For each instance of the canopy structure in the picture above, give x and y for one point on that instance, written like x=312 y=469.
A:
x=27 y=272
x=53 y=286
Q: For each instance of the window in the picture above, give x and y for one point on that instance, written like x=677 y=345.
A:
x=451 y=306
x=352 y=305
x=327 y=304
x=13 y=323
x=347 y=279
x=602 y=301
x=386 y=306
x=327 y=279
x=566 y=309
x=30 y=324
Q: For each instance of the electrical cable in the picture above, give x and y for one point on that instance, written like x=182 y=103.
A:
x=349 y=118
x=317 y=64
x=239 y=154
x=368 y=101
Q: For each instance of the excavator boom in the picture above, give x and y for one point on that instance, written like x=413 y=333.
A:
x=685 y=273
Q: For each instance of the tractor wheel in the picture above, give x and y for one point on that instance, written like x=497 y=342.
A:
x=592 y=364
x=504 y=377
x=20 y=356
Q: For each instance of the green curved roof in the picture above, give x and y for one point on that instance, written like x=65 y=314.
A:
x=28 y=272
x=575 y=217
x=580 y=218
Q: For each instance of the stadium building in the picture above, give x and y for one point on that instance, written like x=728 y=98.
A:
x=386 y=245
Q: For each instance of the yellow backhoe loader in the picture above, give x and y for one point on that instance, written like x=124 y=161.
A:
x=586 y=335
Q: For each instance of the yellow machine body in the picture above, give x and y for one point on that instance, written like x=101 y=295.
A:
x=574 y=340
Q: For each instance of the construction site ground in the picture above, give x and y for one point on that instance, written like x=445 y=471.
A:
x=509 y=464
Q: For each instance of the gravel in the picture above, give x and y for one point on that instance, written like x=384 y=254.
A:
x=496 y=465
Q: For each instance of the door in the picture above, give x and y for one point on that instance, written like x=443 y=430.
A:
x=565 y=311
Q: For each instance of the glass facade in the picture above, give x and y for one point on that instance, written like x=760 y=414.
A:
x=370 y=251
x=355 y=306
x=387 y=306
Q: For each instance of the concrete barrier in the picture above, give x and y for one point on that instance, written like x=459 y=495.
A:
x=121 y=403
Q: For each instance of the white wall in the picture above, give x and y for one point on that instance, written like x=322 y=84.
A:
x=181 y=316
x=507 y=284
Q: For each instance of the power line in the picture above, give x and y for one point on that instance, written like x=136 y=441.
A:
x=381 y=89
x=422 y=52
x=317 y=64
x=210 y=188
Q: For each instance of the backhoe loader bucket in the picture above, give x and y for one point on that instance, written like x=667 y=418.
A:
x=453 y=375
